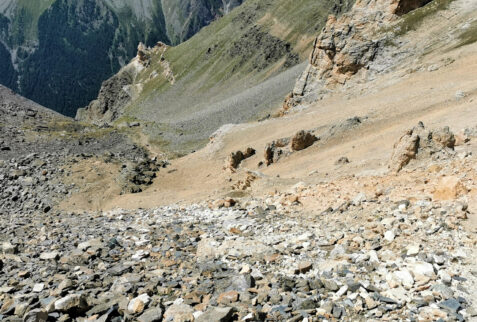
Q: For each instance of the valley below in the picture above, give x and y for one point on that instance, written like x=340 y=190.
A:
x=353 y=198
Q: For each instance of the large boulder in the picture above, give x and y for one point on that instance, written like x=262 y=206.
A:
x=421 y=143
x=302 y=140
x=404 y=151
x=179 y=312
x=72 y=304
x=275 y=149
x=111 y=99
x=151 y=315
x=217 y=314
x=235 y=158
x=285 y=146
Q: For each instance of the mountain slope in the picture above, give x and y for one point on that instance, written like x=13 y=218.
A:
x=95 y=39
x=237 y=69
x=367 y=210
x=429 y=76
x=185 y=18
x=38 y=144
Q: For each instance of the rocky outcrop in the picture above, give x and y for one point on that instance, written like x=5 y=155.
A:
x=245 y=183
x=135 y=176
x=119 y=90
x=404 y=151
x=142 y=53
x=346 y=46
x=302 y=140
x=419 y=142
x=111 y=98
x=275 y=149
x=235 y=158
x=285 y=146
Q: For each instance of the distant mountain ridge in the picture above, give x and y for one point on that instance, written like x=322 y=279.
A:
x=57 y=52
x=237 y=69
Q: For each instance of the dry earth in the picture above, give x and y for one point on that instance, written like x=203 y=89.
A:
x=388 y=107
x=327 y=232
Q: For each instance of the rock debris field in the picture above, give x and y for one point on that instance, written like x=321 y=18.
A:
x=396 y=246
x=400 y=261
x=350 y=249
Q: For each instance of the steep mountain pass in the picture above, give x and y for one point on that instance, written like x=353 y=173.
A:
x=75 y=45
x=235 y=70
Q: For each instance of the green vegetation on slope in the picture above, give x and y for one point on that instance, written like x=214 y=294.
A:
x=231 y=47
x=64 y=49
x=8 y=76
x=186 y=18
x=71 y=61
x=412 y=20
x=234 y=70
x=25 y=27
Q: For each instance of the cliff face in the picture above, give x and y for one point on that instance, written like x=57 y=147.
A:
x=117 y=91
x=346 y=46
x=75 y=45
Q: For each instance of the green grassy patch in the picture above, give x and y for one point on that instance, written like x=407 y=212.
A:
x=67 y=130
x=412 y=20
x=205 y=58
x=27 y=17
